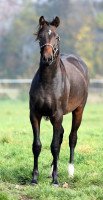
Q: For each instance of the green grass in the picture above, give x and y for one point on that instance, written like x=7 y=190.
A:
x=16 y=159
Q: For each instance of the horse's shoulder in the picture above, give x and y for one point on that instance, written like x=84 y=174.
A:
x=76 y=61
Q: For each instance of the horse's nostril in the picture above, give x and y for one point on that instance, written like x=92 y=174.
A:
x=44 y=59
x=50 y=59
x=47 y=59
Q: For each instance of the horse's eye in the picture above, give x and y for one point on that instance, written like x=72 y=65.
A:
x=40 y=36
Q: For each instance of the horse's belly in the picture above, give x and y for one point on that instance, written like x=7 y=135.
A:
x=76 y=98
x=72 y=105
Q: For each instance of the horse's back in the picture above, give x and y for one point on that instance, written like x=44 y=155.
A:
x=77 y=62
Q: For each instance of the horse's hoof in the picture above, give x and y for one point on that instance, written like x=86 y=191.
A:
x=55 y=183
x=34 y=182
x=71 y=170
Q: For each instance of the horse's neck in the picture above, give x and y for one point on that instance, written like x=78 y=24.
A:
x=48 y=73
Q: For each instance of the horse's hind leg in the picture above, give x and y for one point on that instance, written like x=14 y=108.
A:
x=76 y=121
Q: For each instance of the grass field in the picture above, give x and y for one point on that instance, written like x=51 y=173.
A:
x=16 y=159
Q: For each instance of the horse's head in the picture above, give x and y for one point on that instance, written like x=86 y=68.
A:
x=48 y=40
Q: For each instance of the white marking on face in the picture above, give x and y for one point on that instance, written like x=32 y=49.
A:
x=49 y=32
x=71 y=170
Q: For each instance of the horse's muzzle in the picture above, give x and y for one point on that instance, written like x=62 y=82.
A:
x=47 y=60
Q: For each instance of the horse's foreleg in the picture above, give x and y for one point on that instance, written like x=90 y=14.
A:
x=76 y=121
x=61 y=139
x=55 y=148
x=60 y=142
x=36 y=147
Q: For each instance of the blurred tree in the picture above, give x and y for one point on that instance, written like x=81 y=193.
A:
x=99 y=21
x=85 y=45
x=81 y=32
x=18 y=51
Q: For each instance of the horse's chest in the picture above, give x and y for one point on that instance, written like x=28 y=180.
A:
x=44 y=104
x=49 y=101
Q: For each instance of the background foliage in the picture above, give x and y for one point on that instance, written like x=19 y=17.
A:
x=81 y=33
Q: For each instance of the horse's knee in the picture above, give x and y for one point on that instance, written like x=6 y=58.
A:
x=61 y=139
x=36 y=148
x=54 y=149
x=61 y=135
x=61 y=130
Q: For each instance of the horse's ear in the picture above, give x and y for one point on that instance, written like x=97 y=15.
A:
x=42 y=21
x=55 y=22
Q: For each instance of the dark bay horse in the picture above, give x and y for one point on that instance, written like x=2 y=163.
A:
x=60 y=86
